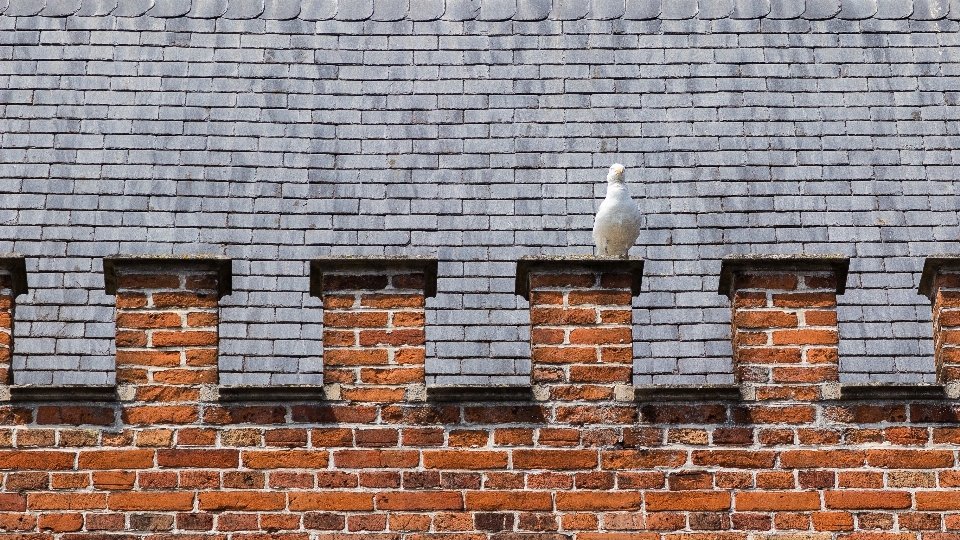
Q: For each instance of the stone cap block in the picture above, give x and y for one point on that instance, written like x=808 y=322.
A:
x=594 y=263
x=878 y=391
x=732 y=264
x=17 y=266
x=223 y=266
x=420 y=263
x=691 y=393
x=931 y=267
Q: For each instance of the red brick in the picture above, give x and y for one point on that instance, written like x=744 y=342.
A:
x=388 y=301
x=769 y=501
x=242 y=501
x=564 y=355
x=765 y=319
x=36 y=460
x=509 y=500
x=596 y=501
x=149 y=320
x=736 y=459
x=285 y=459
x=601 y=336
x=148 y=281
x=817 y=459
x=363 y=459
x=562 y=281
x=938 y=500
x=805 y=300
x=464 y=459
x=783 y=282
x=805 y=337
x=867 y=500
x=832 y=521
x=424 y=501
x=768 y=355
x=910 y=459
x=184 y=300
x=205 y=458
x=71 y=501
x=392 y=337
x=554 y=459
x=687 y=500
x=184 y=339
x=116 y=459
x=600 y=297
x=60 y=522
x=355 y=357
x=355 y=319
x=331 y=501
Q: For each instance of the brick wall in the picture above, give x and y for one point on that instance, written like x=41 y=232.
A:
x=563 y=465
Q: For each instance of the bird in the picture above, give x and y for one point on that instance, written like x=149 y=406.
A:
x=617 y=225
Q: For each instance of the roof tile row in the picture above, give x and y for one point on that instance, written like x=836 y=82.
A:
x=489 y=10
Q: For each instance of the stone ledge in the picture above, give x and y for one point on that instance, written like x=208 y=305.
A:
x=447 y=394
x=426 y=264
x=222 y=265
x=892 y=391
x=631 y=265
x=17 y=266
x=732 y=264
x=931 y=267
x=33 y=393
x=271 y=393
x=706 y=392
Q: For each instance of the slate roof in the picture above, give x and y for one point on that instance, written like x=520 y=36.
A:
x=490 y=10
x=228 y=129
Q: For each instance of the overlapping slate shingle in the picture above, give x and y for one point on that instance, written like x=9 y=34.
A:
x=491 y=10
x=274 y=131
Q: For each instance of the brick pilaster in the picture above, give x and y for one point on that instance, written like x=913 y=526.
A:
x=784 y=324
x=167 y=323
x=940 y=282
x=581 y=325
x=374 y=338
x=13 y=282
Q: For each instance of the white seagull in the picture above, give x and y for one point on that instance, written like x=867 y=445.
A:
x=617 y=224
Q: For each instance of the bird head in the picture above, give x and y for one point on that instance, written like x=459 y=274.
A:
x=615 y=176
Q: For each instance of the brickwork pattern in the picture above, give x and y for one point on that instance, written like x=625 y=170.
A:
x=785 y=336
x=374 y=335
x=698 y=471
x=7 y=303
x=274 y=140
x=581 y=340
x=167 y=334
x=946 y=331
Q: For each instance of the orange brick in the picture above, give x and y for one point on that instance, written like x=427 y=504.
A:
x=116 y=459
x=805 y=337
x=285 y=459
x=530 y=501
x=423 y=501
x=768 y=501
x=554 y=459
x=68 y=501
x=703 y=501
x=765 y=319
x=596 y=501
x=464 y=459
x=242 y=501
x=151 y=501
x=867 y=500
x=938 y=500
